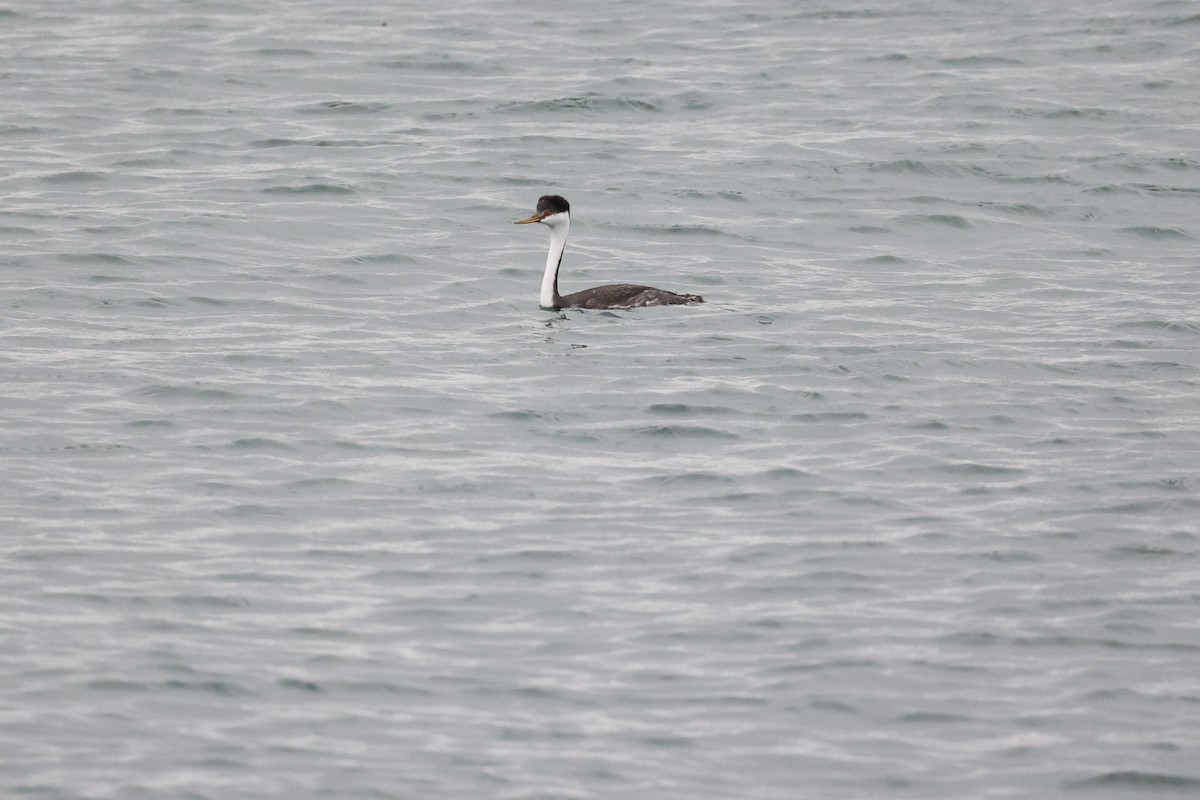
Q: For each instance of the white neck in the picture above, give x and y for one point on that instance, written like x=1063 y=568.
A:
x=558 y=243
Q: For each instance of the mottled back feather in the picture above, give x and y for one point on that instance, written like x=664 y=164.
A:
x=626 y=295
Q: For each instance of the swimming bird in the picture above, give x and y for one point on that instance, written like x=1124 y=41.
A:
x=554 y=212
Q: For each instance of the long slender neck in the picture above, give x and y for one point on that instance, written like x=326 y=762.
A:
x=550 y=298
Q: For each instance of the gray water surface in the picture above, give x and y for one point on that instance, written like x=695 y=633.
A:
x=302 y=495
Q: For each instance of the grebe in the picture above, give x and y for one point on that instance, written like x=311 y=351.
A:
x=554 y=212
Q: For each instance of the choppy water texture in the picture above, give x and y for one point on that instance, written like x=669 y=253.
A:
x=303 y=496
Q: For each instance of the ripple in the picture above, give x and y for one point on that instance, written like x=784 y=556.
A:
x=908 y=166
x=169 y=392
x=1068 y=113
x=320 y=484
x=425 y=63
x=943 y=220
x=738 y=197
x=259 y=443
x=215 y=687
x=1169 y=326
x=385 y=259
x=685 y=432
x=677 y=230
x=1175 y=22
x=681 y=409
x=982 y=61
x=109 y=259
x=310 y=189
x=972 y=468
x=1152 y=232
x=693 y=478
x=75 y=177
x=935 y=717
x=1017 y=209
x=285 y=52
x=153 y=302
x=783 y=473
x=346 y=107
x=1133 y=779
x=379 y=688
x=1145 y=551
x=117 y=685
x=592 y=103
x=150 y=423
x=991 y=174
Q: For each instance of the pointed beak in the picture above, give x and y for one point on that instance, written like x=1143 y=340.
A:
x=527 y=220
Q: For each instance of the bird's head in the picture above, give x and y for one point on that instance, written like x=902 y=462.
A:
x=552 y=209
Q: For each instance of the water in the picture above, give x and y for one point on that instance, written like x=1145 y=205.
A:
x=303 y=496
